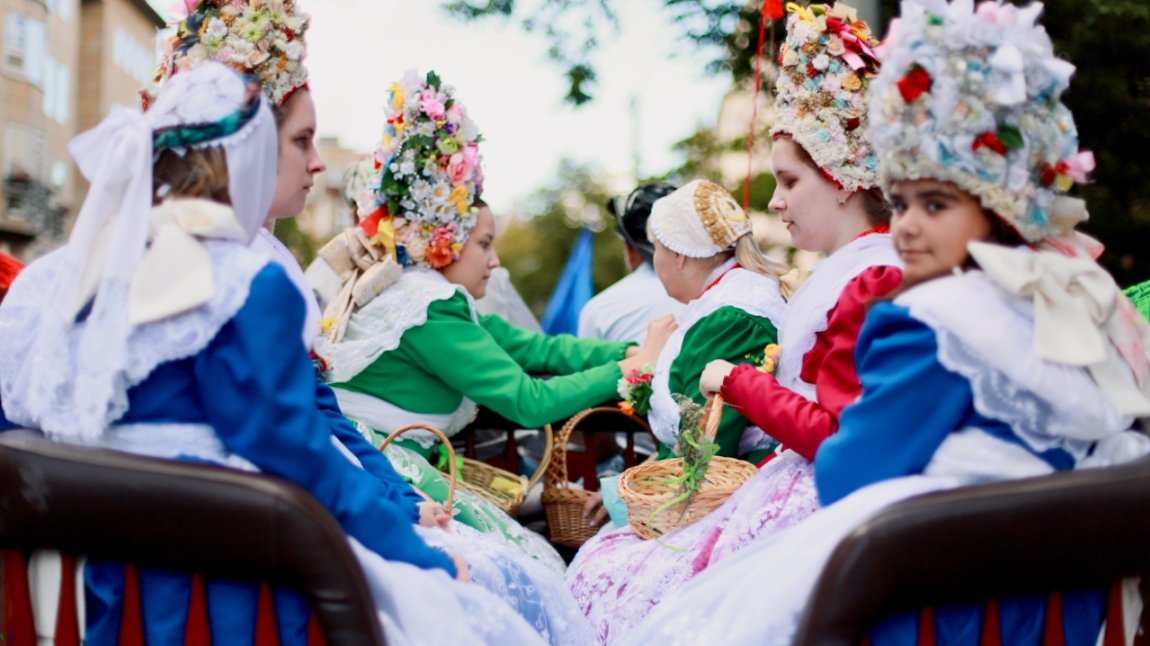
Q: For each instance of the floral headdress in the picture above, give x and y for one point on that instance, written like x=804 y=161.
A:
x=825 y=67
x=971 y=96
x=419 y=205
x=263 y=38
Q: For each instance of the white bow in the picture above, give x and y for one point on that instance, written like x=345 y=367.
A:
x=1075 y=321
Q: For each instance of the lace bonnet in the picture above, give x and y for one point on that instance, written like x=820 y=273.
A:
x=698 y=220
x=825 y=66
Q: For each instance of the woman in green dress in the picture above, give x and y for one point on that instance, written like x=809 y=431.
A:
x=404 y=343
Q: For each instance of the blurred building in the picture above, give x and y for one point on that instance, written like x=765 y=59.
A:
x=326 y=212
x=66 y=63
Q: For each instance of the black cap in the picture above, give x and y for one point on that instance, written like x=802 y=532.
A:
x=631 y=215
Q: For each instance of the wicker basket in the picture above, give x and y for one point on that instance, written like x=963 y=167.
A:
x=450 y=454
x=645 y=487
x=478 y=477
x=562 y=502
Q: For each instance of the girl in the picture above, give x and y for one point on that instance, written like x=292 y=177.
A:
x=967 y=375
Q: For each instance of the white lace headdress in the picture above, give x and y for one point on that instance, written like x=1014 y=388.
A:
x=76 y=329
x=698 y=220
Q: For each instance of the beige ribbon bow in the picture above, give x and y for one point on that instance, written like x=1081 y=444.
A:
x=1075 y=316
x=175 y=274
x=364 y=270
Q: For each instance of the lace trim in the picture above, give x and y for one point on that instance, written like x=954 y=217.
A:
x=809 y=307
x=378 y=327
x=74 y=389
x=753 y=293
x=1046 y=404
x=386 y=417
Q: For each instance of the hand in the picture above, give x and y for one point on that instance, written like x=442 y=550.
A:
x=462 y=569
x=593 y=509
x=711 y=381
x=658 y=331
x=432 y=514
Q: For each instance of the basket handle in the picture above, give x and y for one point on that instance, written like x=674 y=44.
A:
x=450 y=457
x=712 y=413
x=545 y=461
x=557 y=472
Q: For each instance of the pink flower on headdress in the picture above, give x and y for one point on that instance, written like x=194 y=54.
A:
x=994 y=14
x=461 y=167
x=439 y=253
x=430 y=105
x=456 y=114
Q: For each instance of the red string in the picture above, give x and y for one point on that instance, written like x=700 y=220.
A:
x=755 y=100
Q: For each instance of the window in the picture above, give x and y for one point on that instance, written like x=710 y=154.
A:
x=24 y=47
x=133 y=58
x=57 y=90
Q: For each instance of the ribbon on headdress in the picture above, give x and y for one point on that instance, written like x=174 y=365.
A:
x=175 y=274
x=1077 y=320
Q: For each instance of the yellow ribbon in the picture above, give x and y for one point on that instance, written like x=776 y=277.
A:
x=385 y=236
x=805 y=14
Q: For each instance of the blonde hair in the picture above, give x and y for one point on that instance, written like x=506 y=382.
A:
x=749 y=257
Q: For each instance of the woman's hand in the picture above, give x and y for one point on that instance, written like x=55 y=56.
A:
x=711 y=381
x=432 y=514
x=658 y=331
x=593 y=509
x=462 y=569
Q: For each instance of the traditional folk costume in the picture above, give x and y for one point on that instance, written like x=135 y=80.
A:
x=618 y=578
x=406 y=346
x=183 y=349
x=990 y=374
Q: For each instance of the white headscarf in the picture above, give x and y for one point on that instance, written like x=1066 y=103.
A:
x=69 y=375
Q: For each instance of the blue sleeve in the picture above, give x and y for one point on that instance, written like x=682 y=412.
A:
x=260 y=398
x=909 y=404
x=370 y=457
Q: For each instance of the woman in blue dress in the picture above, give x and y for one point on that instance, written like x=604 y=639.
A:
x=1007 y=353
x=157 y=330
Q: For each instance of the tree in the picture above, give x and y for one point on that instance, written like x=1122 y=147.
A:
x=534 y=246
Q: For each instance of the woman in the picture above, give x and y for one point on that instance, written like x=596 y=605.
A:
x=961 y=383
x=733 y=307
x=833 y=207
x=405 y=344
x=181 y=348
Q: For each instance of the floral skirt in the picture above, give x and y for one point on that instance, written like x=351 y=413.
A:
x=617 y=577
x=468 y=508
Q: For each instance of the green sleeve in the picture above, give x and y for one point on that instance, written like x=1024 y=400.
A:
x=466 y=357
x=727 y=333
x=556 y=355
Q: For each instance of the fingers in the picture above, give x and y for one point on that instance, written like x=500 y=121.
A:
x=594 y=503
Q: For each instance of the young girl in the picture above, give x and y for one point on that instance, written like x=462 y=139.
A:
x=406 y=344
x=834 y=207
x=967 y=374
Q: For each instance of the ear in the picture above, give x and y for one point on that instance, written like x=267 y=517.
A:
x=680 y=261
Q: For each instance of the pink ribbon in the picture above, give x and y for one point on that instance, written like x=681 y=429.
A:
x=1079 y=165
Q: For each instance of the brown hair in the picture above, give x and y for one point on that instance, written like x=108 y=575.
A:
x=199 y=172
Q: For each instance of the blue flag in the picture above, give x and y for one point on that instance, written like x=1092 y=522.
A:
x=572 y=291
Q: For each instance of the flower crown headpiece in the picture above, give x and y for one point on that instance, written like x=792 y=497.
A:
x=418 y=206
x=263 y=38
x=971 y=96
x=825 y=67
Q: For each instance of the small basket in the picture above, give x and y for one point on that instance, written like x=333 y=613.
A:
x=450 y=454
x=478 y=478
x=562 y=502
x=644 y=487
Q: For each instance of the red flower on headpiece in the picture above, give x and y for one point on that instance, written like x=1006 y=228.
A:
x=991 y=141
x=914 y=84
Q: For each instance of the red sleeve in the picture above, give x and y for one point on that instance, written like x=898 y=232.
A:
x=800 y=424
x=9 y=267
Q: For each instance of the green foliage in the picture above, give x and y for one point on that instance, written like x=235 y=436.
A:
x=301 y=245
x=695 y=448
x=534 y=248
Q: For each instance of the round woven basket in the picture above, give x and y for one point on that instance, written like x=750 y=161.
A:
x=450 y=454
x=645 y=487
x=480 y=478
x=564 y=502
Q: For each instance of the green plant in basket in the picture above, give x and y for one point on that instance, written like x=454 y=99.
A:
x=695 y=448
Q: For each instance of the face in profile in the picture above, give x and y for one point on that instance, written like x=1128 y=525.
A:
x=806 y=201
x=473 y=268
x=932 y=224
x=299 y=160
